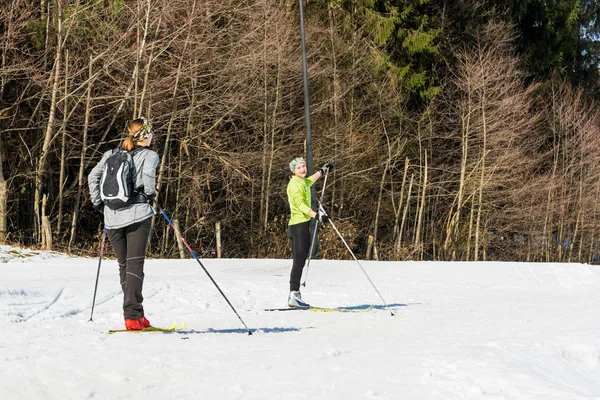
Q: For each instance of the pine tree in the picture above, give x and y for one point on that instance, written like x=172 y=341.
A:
x=406 y=30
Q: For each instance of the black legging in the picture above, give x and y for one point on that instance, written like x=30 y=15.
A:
x=129 y=244
x=299 y=235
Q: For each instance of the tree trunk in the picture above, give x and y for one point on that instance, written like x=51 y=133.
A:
x=218 y=238
x=470 y=233
x=46 y=228
x=481 y=180
x=3 y=194
x=381 y=186
x=82 y=159
x=400 y=201
x=336 y=96
x=179 y=240
x=173 y=101
x=149 y=62
x=3 y=185
x=369 y=247
x=422 y=207
x=272 y=144
x=63 y=145
x=41 y=167
x=452 y=231
x=404 y=214
x=265 y=75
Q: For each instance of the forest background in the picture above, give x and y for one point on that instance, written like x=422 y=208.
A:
x=461 y=129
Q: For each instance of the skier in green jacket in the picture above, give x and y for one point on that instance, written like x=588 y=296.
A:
x=298 y=192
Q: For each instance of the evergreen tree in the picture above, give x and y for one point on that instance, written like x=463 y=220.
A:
x=587 y=57
x=557 y=37
x=408 y=33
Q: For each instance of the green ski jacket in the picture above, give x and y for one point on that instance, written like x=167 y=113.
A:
x=298 y=192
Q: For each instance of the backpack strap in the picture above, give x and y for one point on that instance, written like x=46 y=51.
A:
x=135 y=150
x=138 y=191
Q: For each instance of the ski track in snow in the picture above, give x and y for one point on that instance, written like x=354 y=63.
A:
x=24 y=311
x=489 y=331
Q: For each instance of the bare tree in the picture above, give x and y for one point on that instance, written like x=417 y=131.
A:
x=494 y=118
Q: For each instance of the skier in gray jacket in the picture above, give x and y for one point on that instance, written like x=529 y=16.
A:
x=128 y=227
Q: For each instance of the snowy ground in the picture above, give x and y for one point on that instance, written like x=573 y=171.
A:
x=461 y=331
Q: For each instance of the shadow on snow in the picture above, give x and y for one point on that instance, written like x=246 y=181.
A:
x=375 y=306
x=240 y=331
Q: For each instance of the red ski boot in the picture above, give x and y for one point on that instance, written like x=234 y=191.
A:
x=145 y=323
x=133 y=325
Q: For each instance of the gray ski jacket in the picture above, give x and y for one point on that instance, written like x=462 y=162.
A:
x=145 y=161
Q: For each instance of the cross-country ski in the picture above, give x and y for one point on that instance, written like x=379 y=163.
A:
x=173 y=328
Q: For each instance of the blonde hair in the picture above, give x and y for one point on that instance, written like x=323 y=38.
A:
x=133 y=127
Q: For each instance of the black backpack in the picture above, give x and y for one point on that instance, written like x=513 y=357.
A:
x=118 y=177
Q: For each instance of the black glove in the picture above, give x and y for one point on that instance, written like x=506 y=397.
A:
x=324 y=218
x=327 y=167
x=151 y=198
x=99 y=208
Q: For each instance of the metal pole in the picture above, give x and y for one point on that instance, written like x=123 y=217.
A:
x=309 y=152
x=98 y=273
x=309 y=155
x=315 y=227
x=202 y=265
x=358 y=262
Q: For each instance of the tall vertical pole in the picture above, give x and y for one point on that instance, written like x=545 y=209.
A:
x=309 y=155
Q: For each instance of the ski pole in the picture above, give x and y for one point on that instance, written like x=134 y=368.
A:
x=199 y=262
x=314 y=236
x=98 y=273
x=355 y=259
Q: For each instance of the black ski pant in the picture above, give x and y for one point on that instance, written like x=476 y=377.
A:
x=299 y=235
x=129 y=244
